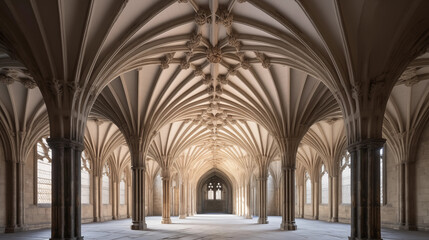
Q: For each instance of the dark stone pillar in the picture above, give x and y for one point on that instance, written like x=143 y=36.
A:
x=406 y=196
x=96 y=193
x=66 y=199
x=15 y=193
x=138 y=201
x=365 y=189
x=334 y=184
x=262 y=181
x=288 y=222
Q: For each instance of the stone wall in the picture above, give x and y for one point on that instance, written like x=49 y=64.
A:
x=422 y=181
x=2 y=191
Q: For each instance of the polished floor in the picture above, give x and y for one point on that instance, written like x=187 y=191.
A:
x=217 y=226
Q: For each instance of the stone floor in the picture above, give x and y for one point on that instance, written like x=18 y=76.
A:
x=217 y=226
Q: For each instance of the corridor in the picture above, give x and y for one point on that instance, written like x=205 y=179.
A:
x=217 y=226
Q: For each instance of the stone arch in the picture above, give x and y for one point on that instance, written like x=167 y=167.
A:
x=226 y=204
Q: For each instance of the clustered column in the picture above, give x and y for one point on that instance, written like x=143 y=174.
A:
x=138 y=203
x=166 y=197
x=66 y=198
x=15 y=203
x=262 y=182
x=365 y=189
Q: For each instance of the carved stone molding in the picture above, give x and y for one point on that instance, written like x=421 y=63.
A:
x=165 y=61
x=194 y=41
x=224 y=17
x=409 y=77
x=9 y=75
x=198 y=72
x=202 y=17
x=214 y=54
x=185 y=64
x=234 y=42
x=207 y=80
x=64 y=143
x=222 y=79
x=263 y=59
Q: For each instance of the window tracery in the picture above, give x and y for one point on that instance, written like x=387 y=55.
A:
x=44 y=169
x=122 y=189
x=85 y=179
x=307 y=188
x=324 y=185
x=345 y=179
x=106 y=184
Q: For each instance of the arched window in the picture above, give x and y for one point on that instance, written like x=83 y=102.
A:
x=345 y=179
x=85 y=179
x=307 y=188
x=382 y=176
x=325 y=185
x=122 y=189
x=218 y=191
x=210 y=191
x=44 y=170
x=106 y=185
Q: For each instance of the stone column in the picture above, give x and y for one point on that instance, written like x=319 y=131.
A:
x=66 y=199
x=262 y=182
x=248 y=193
x=365 y=189
x=96 y=196
x=288 y=222
x=127 y=199
x=166 y=197
x=138 y=200
x=115 y=198
x=301 y=200
x=315 y=202
x=15 y=193
x=239 y=201
x=406 y=197
x=182 y=204
x=334 y=203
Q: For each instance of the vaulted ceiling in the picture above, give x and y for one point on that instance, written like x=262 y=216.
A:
x=224 y=80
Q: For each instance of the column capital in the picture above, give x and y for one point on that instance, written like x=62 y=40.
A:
x=372 y=143
x=65 y=143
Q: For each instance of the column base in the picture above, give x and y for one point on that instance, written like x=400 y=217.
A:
x=288 y=226
x=407 y=227
x=248 y=217
x=139 y=226
x=182 y=216
x=262 y=221
x=166 y=221
x=97 y=219
x=74 y=238
x=333 y=220
x=14 y=229
x=356 y=238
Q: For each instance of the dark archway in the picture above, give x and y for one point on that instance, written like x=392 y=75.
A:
x=214 y=193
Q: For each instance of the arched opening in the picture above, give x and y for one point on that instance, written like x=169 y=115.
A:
x=214 y=193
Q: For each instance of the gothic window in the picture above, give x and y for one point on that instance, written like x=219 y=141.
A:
x=218 y=191
x=210 y=191
x=85 y=178
x=324 y=185
x=307 y=188
x=106 y=185
x=382 y=176
x=122 y=190
x=44 y=169
x=345 y=179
